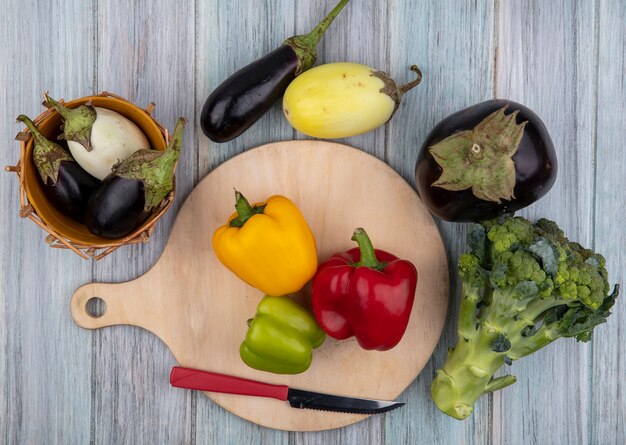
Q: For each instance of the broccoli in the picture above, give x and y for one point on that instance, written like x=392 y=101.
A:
x=524 y=285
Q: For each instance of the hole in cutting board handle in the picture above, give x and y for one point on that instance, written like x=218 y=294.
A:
x=95 y=307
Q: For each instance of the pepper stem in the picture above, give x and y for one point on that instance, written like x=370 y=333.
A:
x=368 y=255
x=407 y=86
x=305 y=46
x=244 y=210
x=243 y=207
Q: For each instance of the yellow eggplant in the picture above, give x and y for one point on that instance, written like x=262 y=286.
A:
x=343 y=99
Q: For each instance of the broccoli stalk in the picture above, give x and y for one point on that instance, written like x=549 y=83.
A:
x=524 y=285
x=468 y=374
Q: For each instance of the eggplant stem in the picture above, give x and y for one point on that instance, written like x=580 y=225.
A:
x=78 y=122
x=60 y=108
x=176 y=143
x=316 y=33
x=29 y=124
x=32 y=127
x=305 y=46
x=407 y=86
x=47 y=155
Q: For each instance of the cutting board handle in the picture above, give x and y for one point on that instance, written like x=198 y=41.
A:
x=114 y=311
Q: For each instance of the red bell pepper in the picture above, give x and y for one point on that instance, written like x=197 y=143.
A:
x=366 y=293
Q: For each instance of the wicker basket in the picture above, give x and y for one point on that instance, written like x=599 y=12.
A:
x=64 y=232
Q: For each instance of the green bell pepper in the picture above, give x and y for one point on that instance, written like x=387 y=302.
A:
x=281 y=337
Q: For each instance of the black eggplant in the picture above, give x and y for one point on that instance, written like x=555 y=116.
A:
x=135 y=187
x=492 y=158
x=246 y=95
x=66 y=184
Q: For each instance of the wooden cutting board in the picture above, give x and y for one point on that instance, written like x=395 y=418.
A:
x=199 y=308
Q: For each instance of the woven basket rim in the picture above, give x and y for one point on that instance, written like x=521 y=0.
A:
x=57 y=240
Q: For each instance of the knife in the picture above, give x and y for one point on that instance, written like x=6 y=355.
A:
x=209 y=381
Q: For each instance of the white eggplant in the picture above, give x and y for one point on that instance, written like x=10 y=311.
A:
x=98 y=138
x=342 y=99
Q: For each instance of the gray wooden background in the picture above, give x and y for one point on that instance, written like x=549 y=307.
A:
x=565 y=59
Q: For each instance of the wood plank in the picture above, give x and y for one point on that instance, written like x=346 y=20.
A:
x=145 y=53
x=359 y=35
x=369 y=431
x=545 y=60
x=227 y=39
x=452 y=43
x=608 y=373
x=552 y=56
x=44 y=399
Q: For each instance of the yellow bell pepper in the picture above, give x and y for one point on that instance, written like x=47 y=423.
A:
x=269 y=245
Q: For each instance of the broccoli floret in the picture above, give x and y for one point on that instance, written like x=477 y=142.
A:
x=509 y=234
x=523 y=286
x=470 y=271
x=511 y=268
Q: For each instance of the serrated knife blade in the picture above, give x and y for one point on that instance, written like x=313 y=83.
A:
x=188 y=378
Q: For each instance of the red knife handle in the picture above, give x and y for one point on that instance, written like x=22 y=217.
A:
x=213 y=382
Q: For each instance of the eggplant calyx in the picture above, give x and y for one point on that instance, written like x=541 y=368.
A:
x=481 y=158
x=47 y=155
x=305 y=46
x=154 y=168
x=77 y=122
x=391 y=88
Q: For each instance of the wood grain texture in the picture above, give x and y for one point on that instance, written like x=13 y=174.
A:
x=226 y=40
x=564 y=100
x=564 y=59
x=607 y=416
x=363 y=24
x=43 y=399
x=145 y=52
x=453 y=45
x=181 y=299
